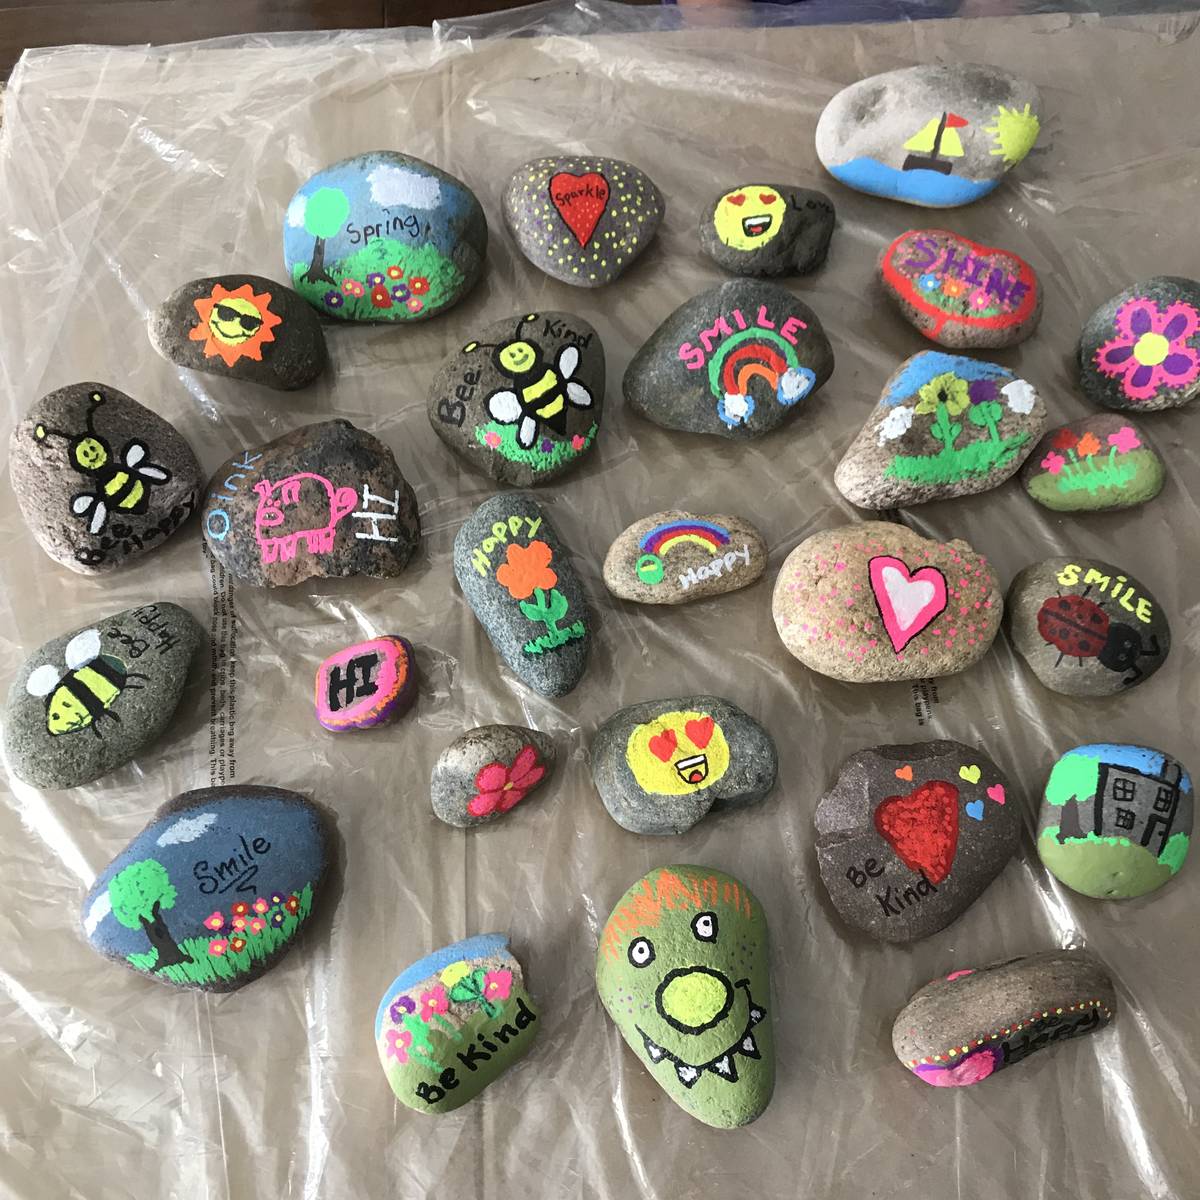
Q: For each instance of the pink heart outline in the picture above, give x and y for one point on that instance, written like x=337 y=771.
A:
x=996 y=792
x=900 y=634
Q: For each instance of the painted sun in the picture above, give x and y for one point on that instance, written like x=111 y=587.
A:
x=1014 y=131
x=234 y=324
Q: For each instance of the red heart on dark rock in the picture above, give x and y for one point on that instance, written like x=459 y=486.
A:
x=922 y=827
x=581 y=201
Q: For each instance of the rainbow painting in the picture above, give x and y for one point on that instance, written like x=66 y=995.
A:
x=664 y=538
x=761 y=354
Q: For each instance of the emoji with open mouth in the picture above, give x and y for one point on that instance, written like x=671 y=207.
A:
x=677 y=753
x=682 y=968
x=749 y=217
x=766 y=229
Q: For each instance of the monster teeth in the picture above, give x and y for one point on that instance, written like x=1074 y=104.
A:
x=726 y=1068
x=687 y=1075
x=655 y=1051
x=749 y=1047
x=756 y=1015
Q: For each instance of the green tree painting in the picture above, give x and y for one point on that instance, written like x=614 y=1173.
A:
x=140 y=894
x=325 y=213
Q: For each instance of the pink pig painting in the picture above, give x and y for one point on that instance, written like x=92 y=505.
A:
x=272 y=515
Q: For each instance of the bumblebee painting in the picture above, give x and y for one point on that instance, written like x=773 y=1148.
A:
x=118 y=484
x=542 y=394
x=77 y=697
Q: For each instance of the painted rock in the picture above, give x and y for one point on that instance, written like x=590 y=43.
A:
x=366 y=685
x=99 y=478
x=213 y=891
x=1085 y=627
x=735 y=360
x=959 y=1030
x=961 y=294
x=673 y=557
x=1100 y=462
x=876 y=602
x=1115 y=820
x=1141 y=349
x=88 y=702
x=517 y=577
x=934 y=135
x=682 y=969
x=581 y=220
x=453 y=1023
x=324 y=500
x=522 y=401
x=945 y=426
x=487 y=772
x=768 y=229
x=384 y=237
x=241 y=327
x=909 y=836
x=661 y=766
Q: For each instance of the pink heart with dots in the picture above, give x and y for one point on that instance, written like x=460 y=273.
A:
x=908 y=601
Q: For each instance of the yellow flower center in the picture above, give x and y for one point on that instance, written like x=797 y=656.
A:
x=1150 y=349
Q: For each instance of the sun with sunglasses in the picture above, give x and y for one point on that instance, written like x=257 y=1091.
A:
x=235 y=324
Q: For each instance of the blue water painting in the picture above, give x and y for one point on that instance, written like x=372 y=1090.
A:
x=917 y=187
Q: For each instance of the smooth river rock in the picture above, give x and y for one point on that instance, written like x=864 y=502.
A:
x=660 y=766
x=959 y=1030
x=736 y=361
x=486 y=772
x=767 y=229
x=366 y=684
x=88 y=702
x=908 y=837
x=324 y=500
x=1086 y=627
x=683 y=970
x=875 y=602
x=99 y=478
x=945 y=426
x=935 y=135
x=1116 y=820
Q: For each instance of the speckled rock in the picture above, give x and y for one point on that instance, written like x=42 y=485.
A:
x=875 y=602
x=1101 y=462
x=767 y=229
x=936 y=135
x=517 y=577
x=961 y=294
x=324 y=500
x=487 y=772
x=366 y=684
x=88 y=702
x=1115 y=820
x=945 y=426
x=454 y=1022
x=1141 y=350
x=522 y=400
x=909 y=836
x=683 y=970
x=1085 y=627
x=212 y=893
x=674 y=557
x=384 y=237
x=581 y=220
x=662 y=765
x=100 y=479
x=736 y=361
x=959 y=1030
x=241 y=327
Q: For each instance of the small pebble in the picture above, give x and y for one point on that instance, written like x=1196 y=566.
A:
x=366 y=685
x=487 y=772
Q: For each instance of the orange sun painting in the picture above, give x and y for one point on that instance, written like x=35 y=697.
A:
x=234 y=324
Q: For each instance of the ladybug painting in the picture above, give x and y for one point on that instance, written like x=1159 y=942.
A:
x=1079 y=628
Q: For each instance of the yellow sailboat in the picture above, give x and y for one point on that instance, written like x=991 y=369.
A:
x=935 y=143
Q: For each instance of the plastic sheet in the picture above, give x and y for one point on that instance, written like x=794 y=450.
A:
x=125 y=172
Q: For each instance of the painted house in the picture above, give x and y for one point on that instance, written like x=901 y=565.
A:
x=1138 y=806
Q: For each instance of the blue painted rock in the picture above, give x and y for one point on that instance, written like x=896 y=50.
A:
x=88 y=702
x=522 y=400
x=517 y=577
x=366 y=684
x=683 y=970
x=241 y=327
x=945 y=426
x=963 y=1029
x=1115 y=820
x=325 y=500
x=767 y=229
x=384 y=237
x=99 y=478
x=214 y=890
x=932 y=135
x=453 y=1023
x=737 y=360
x=581 y=220
x=487 y=772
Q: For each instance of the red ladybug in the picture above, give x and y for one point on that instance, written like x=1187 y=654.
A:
x=1080 y=628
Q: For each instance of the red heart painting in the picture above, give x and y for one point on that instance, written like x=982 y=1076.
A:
x=700 y=732
x=662 y=745
x=580 y=200
x=922 y=827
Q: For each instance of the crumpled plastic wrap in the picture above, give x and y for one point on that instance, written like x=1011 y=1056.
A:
x=125 y=172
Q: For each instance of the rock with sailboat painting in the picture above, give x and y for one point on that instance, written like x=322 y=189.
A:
x=938 y=135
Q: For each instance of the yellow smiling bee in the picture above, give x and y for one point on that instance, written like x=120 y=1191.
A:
x=77 y=697
x=749 y=217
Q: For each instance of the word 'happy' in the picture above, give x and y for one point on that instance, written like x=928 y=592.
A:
x=502 y=531
x=694 y=357
x=722 y=564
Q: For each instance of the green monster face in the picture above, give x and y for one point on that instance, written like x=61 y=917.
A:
x=90 y=453
x=682 y=969
x=516 y=358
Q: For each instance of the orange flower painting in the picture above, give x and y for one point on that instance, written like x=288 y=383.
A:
x=1088 y=445
x=526 y=568
x=235 y=324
